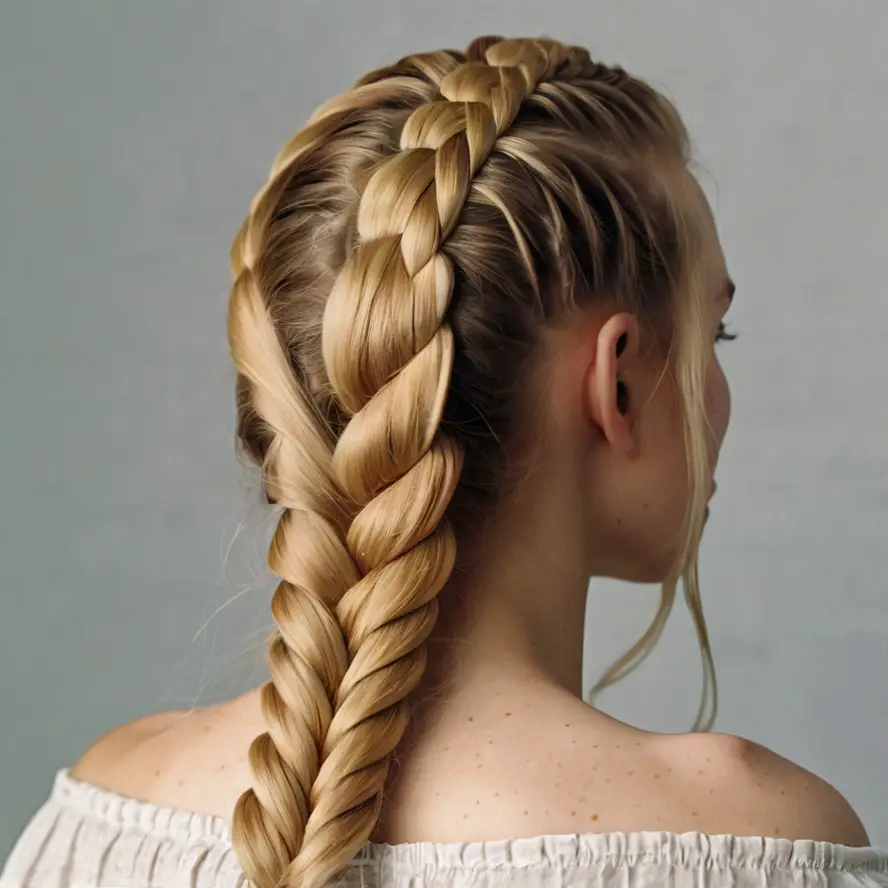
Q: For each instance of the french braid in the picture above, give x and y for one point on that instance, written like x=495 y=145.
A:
x=363 y=546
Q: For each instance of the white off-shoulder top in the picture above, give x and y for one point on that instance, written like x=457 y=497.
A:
x=87 y=837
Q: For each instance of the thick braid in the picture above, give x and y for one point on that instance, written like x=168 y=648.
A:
x=307 y=654
x=352 y=614
x=388 y=351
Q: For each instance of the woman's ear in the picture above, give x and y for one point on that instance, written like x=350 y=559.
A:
x=609 y=399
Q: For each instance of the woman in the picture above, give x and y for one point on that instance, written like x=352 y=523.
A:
x=474 y=316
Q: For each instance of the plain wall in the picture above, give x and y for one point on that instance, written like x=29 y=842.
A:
x=133 y=136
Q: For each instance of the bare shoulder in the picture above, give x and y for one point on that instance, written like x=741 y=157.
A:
x=113 y=761
x=492 y=777
x=192 y=760
x=763 y=793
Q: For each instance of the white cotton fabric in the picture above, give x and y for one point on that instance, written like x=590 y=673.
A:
x=87 y=837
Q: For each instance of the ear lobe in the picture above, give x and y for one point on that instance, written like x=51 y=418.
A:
x=609 y=392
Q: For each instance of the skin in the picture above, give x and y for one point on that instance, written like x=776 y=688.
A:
x=501 y=744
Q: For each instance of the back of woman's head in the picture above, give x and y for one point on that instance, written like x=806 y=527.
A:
x=394 y=283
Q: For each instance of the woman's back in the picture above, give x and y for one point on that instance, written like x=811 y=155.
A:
x=522 y=762
x=535 y=789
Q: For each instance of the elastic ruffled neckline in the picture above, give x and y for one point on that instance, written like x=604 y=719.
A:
x=687 y=850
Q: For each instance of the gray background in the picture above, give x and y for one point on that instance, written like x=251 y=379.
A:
x=134 y=135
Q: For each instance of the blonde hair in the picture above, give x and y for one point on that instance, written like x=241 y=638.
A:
x=392 y=278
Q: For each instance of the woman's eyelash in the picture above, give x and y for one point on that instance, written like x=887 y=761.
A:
x=723 y=335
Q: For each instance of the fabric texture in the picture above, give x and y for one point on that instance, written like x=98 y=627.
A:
x=87 y=837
